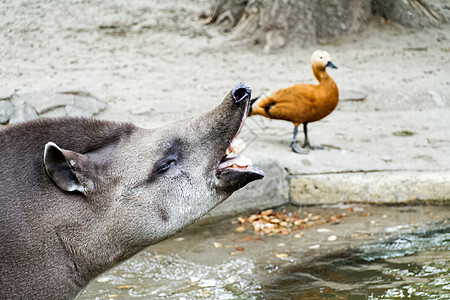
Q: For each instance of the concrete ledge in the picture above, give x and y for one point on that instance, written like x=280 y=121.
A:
x=374 y=187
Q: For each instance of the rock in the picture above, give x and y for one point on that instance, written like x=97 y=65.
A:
x=44 y=101
x=6 y=111
x=22 y=110
x=6 y=94
x=84 y=104
x=33 y=103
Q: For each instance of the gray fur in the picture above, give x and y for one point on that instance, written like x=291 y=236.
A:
x=79 y=196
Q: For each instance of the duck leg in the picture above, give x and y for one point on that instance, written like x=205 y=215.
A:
x=294 y=143
x=306 y=144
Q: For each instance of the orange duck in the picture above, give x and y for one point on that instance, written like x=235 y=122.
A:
x=302 y=103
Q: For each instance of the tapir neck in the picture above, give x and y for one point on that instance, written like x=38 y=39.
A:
x=93 y=249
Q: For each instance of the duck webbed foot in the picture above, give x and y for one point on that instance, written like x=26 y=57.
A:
x=297 y=149
x=294 y=143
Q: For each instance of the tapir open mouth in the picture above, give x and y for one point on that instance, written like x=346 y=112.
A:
x=233 y=160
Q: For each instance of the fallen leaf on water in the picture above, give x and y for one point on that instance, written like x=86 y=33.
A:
x=240 y=228
x=323 y=230
x=314 y=246
x=315 y=218
x=113 y=296
x=265 y=218
x=282 y=255
x=269 y=222
x=285 y=231
x=239 y=250
x=359 y=235
x=125 y=286
x=252 y=218
x=267 y=212
x=245 y=239
x=257 y=226
x=217 y=245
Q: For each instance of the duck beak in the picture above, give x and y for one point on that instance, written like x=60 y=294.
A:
x=331 y=65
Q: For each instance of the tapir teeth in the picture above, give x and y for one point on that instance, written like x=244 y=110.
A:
x=236 y=146
x=232 y=158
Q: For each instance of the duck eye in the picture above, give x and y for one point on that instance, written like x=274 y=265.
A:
x=321 y=57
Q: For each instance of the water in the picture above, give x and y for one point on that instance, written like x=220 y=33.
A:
x=171 y=277
x=394 y=260
x=412 y=266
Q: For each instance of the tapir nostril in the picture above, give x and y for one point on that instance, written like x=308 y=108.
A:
x=240 y=92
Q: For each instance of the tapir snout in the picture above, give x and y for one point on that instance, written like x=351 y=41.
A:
x=78 y=196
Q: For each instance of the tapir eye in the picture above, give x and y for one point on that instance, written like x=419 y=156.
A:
x=165 y=165
x=170 y=159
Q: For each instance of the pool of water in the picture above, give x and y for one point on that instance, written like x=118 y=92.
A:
x=380 y=253
x=411 y=266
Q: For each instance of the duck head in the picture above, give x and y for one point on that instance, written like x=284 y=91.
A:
x=321 y=59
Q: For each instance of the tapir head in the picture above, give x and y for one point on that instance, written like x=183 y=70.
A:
x=149 y=184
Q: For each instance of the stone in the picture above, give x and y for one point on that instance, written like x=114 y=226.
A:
x=85 y=106
x=44 y=101
x=6 y=94
x=6 y=111
x=75 y=102
x=22 y=110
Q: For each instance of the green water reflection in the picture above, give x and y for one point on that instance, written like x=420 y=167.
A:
x=412 y=266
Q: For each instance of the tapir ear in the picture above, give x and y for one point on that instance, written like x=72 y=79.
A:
x=68 y=169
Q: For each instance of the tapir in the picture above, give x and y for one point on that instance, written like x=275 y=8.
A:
x=78 y=196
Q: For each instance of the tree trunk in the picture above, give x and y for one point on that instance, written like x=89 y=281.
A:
x=272 y=23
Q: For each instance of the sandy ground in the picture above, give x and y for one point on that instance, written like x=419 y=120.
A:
x=157 y=62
